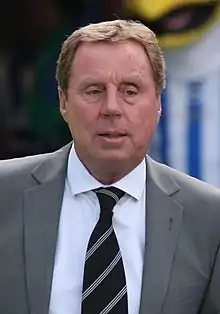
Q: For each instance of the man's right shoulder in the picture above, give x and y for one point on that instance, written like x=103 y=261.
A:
x=17 y=166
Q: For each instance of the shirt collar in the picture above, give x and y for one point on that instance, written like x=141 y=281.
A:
x=80 y=180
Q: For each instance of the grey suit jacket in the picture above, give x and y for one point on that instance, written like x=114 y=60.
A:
x=182 y=260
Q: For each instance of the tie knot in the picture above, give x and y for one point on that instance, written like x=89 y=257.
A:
x=108 y=198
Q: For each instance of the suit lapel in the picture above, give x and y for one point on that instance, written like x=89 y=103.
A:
x=42 y=205
x=163 y=222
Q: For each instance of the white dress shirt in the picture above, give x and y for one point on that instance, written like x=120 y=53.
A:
x=79 y=215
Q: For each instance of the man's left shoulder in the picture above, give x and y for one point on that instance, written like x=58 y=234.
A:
x=188 y=184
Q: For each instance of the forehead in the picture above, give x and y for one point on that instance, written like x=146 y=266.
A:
x=102 y=58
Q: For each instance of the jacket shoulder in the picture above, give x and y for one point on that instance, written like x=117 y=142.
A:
x=16 y=166
x=187 y=183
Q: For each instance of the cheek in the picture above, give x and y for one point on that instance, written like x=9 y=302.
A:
x=144 y=123
x=81 y=121
x=144 y=117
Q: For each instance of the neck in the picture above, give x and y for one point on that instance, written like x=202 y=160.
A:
x=108 y=172
x=108 y=177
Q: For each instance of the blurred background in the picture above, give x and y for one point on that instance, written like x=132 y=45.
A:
x=32 y=32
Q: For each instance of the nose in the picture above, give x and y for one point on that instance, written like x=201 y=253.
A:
x=111 y=105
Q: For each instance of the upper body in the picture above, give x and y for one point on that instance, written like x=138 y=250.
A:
x=110 y=77
x=175 y=262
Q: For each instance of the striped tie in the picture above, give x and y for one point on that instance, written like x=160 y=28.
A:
x=104 y=285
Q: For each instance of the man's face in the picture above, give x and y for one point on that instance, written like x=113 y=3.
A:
x=111 y=107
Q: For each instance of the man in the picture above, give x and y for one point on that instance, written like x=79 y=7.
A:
x=98 y=227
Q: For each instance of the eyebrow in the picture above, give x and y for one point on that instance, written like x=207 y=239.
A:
x=130 y=82
x=86 y=85
x=132 y=79
x=98 y=81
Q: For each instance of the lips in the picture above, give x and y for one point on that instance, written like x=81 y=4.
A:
x=112 y=134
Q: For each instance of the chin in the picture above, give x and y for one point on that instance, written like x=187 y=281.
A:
x=114 y=157
x=119 y=159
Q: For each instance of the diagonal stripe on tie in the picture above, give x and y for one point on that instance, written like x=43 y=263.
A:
x=109 y=193
x=99 y=242
x=102 y=276
x=118 y=297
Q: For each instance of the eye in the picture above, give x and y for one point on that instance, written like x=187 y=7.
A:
x=93 y=92
x=131 y=92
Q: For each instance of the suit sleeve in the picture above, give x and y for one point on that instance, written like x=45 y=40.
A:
x=211 y=303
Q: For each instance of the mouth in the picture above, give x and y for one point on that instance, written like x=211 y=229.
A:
x=183 y=19
x=110 y=135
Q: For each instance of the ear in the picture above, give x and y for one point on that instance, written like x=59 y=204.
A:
x=63 y=103
x=159 y=109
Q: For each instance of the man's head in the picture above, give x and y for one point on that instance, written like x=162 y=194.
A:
x=110 y=76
